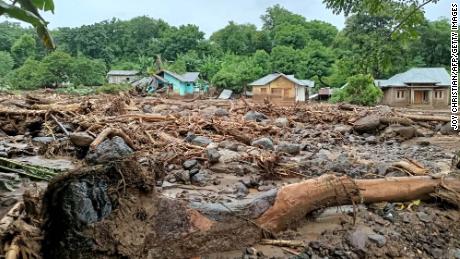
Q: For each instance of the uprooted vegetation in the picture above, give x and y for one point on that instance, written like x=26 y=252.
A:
x=163 y=178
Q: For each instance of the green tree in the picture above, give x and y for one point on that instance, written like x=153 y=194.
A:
x=285 y=59
x=317 y=63
x=277 y=15
x=292 y=35
x=237 y=38
x=23 y=48
x=29 y=76
x=85 y=71
x=359 y=90
x=58 y=68
x=209 y=67
x=6 y=63
x=321 y=31
x=433 y=44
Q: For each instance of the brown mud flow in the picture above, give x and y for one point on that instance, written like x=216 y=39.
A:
x=130 y=177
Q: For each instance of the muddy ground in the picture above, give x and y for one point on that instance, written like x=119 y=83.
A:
x=214 y=155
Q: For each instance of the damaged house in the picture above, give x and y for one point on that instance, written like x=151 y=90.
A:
x=184 y=84
x=122 y=76
x=281 y=88
x=417 y=87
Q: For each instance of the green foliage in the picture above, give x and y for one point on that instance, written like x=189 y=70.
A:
x=58 y=68
x=29 y=76
x=76 y=90
x=360 y=90
x=6 y=63
x=285 y=59
x=23 y=48
x=238 y=39
x=85 y=71
x=113 y=88
x=295 y=36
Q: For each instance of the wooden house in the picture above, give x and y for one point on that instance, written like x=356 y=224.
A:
x=281 y=88
x=122 y=76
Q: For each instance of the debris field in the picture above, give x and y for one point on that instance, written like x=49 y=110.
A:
x=123 y=176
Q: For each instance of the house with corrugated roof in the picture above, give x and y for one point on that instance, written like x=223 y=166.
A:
x=281 y=88
x=417 y=87
x=184 y=84
x=122 y=76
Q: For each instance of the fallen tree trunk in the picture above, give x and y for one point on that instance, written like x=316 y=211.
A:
x=426 y=117
x=127 y=208
x=110 y=132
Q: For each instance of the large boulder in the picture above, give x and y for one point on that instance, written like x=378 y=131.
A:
x=200 y=141
x=368 y=124
x=108 y=151
x=447 y=129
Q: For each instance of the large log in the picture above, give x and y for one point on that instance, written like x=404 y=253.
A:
x=426 y=117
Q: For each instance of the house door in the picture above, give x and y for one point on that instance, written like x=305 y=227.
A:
x=421 y=97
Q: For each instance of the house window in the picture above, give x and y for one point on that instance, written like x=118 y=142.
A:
x=438 y=94
x=400 y=94
x=263 y=90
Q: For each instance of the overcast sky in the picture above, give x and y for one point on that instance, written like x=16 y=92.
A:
x=209 y=15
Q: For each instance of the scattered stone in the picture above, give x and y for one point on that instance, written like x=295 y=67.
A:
x=43 y=140
x=371 y=140
x=213 y=155
x=264 y=188
x=282 y=122
x=194 y=171
x=189 y=164
x=241 y=190
x=221 y=112
x=255 y=116
x=202 y=178
x=292 y=149
x=378 y=239
x=182 y=176
x=263 y=143
x=424 y=217
x=109 y=150
x=358 y=240
x=201 y=141
x=81 y=139
x=251 y=251
x=227 y=155
x=343 y=129
x=147 y=108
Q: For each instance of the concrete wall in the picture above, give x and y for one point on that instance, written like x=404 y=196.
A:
x=180 y=87
x=390 y=97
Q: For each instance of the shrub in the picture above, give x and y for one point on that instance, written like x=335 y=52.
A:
x=29 y=76
x=359 y=90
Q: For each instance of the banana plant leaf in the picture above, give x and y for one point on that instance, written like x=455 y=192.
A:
x=28 y=12
x=31 y=171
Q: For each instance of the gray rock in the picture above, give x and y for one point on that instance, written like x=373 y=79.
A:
x=43 y=140
x=201 y=141
x=147 y=108
x=264 y=143
x=378 y=239
x=358 y=240
x=422 y=216
x=282 y=122
x=255 y=116
x=202 y=178
x=343 y=129
x=241 y=189
x=371 y=140
x=182 y=176
x=368 y=124
x=81 y=139
x=264 y=188
x=213 y=155
x=189 y=164
x=292 y=149
x=109 y=151
x=446 y=129
x=456 y=253
x=221 y=112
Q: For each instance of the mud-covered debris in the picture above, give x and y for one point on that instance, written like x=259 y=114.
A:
x=81 y=139
x=358 y=240
x=380 y=240
x=202 y=178
x=43 y=140
x=447 y=129
x=110 y=150
x=264 y=143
